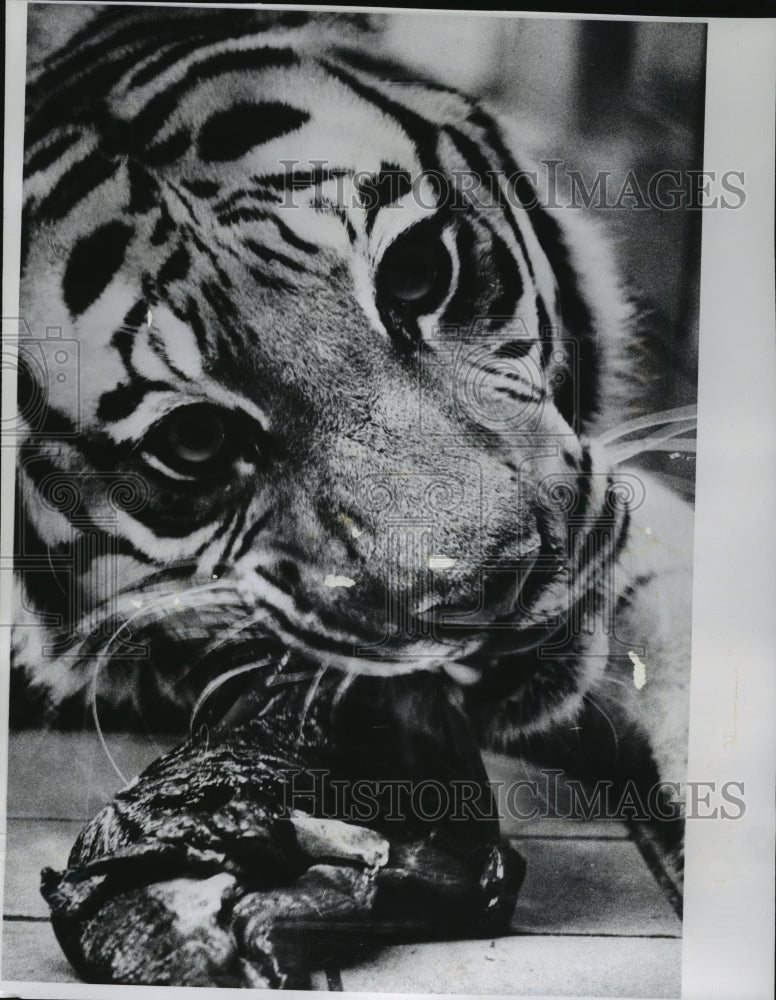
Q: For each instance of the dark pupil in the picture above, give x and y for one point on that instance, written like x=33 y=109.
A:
x=410 y=273
x=196 y=434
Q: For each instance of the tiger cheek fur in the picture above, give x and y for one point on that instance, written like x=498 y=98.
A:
x=351 y=415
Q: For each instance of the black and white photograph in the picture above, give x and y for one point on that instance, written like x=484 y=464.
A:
x=350 y=565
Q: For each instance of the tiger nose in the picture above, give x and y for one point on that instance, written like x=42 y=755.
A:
x=495 y=597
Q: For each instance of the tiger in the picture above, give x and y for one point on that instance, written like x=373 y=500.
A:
x=327 y=413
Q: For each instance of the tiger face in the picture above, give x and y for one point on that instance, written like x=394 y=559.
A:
x=334 y=364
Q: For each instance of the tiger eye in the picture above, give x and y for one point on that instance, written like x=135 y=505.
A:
x=196 y=434
x=198 y=441
x=416 y=272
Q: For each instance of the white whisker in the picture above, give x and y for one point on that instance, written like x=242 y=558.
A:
x=591 y=701
x=347 y=681
x=662 y=441
x=616 y=680
x=257 y=618
x=143 y=601
x=681 y=413
x=104 y=657
x=218 y=682
x=308 y=701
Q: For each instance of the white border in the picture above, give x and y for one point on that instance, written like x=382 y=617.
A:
x=13 y=141
x=729 y=919
x=729 y=875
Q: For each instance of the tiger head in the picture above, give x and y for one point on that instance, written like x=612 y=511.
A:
x=326 y=368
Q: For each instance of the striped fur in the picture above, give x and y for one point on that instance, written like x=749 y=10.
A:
x=219 y=210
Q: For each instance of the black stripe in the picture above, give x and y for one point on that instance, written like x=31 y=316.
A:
x=269 y=280
x=45 y=157
x=202 y=188
x=211 y=254
x=135 y=317
x=252 y=194
x=178 y=516
x=176 y=54
x=193 y=317
x=250 y=535
x=143 y=189
x=124 y=44
x=219 y=301
x=513 y=349
x=239 y=524
x=169 y=57
x=576 y=313
x=624 y=599
x=97 y=58
x=230 y=133
x=31 y=549
x=121 y=402
x=45 y=420
x=604 y=527
x=47 y=580
x=168 y=150
x=486 y=172
x=315 y=640
x=163 y=228
x=381 y=190
x=505 y=304
x=175 y=268
x=79 y=103
x=462 y=305
x=121 y=27
x=47 y=570
x=79 y=181
x=273 y=256
x=217 y=534
x=474 y=157
x=114 y=43
x=28 y=214
x=585 y=482
x=185 y=200
x=159 y=109
x=93 y=264
x=521 y=397
x=290 y=180
x=422 y=132
x=261 y=215
x=391 y=71
x=624 y=533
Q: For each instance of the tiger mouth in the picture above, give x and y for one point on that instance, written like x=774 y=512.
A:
x=267 y=631
x=242 y=686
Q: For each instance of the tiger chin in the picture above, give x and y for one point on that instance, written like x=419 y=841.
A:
x=338 y=447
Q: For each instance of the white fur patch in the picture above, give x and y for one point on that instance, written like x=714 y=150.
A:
x=338 y=581
x=440 y=562
x=179 y=341
x=639 y=671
